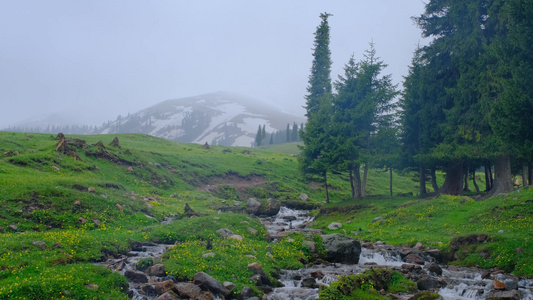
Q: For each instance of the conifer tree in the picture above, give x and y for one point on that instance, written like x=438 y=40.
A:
x=317 y=139
x=259 y=137
x=294 y=132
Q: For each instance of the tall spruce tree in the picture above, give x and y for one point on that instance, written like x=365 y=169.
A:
x=461 y=37
x=509 y=98
x=320 y=78
x=316 y=137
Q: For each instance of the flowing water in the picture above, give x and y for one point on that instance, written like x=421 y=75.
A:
x=460 y=283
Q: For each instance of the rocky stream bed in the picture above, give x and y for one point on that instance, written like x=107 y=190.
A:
x=419 y=264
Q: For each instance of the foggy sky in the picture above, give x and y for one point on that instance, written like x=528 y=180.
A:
x=99 y=59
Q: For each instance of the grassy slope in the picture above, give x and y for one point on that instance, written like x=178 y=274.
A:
x=46 y=204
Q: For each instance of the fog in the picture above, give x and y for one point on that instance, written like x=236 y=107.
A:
x=94 y=60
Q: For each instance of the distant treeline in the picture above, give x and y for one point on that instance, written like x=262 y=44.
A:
x=54 y=129
x=289 y=135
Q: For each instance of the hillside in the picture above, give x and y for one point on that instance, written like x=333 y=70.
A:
x=62 y=209
x=217 y=118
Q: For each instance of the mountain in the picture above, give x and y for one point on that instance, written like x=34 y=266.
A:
x=218 y=118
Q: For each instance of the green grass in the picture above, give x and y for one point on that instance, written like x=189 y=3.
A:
x=438 y=222
x=90 y=209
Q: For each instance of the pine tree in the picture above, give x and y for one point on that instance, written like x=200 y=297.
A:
x=288 y=134
x=259 y=137
x=510 y=99
x=320 y=78
x=455 y=67
x=363 y=109
x=263 y=134
x=294 y=132
x=317 y=138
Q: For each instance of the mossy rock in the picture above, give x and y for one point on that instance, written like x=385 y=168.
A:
x=368 y=284
x=425 y=295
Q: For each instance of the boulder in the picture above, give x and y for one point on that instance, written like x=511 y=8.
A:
x=164 y=286
x=341 y=249
x=225 y=232
x=229 y=285
x=252 y=230
x=149 y=290
x=428 y=284
x=206 y=282
x=498 y=285
x=434 y=268
x=188 y=290
x=311 y=245
x=317 y=274
x=40 y=244
x=414 y=259
x=157 y=270
x=504 y=295
x=253 y=206
x=272 y=208
x=309 y=282
x=377 y=219
x=258 y=270
x=334 y=226
x=435 y=253
x=246 y=293
x=168 y=296
x=235 y=237
x=304 y=197
x=136 y=276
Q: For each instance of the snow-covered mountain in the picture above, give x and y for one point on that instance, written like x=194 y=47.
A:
x=218 y=118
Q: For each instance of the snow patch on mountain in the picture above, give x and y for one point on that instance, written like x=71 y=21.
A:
x=217 y=118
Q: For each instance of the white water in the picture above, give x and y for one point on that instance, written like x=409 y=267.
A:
x=462 y=283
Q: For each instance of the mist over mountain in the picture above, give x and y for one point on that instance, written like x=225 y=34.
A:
x=220 y=118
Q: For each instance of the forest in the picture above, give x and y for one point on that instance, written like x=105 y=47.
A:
x=466 y=103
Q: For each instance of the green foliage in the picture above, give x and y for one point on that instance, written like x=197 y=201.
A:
x=411 y=220
x=367 y=285
x=79 y=281
x=228 y=192
x=144 y=264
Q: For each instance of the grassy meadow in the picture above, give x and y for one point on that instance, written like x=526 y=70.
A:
x=61 y=213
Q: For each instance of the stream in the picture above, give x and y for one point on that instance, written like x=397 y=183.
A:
x=455 y=283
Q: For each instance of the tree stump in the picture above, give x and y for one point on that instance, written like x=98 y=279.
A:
x=115 y=143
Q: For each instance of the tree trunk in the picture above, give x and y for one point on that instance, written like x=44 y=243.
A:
x=487 y=176
x=466 y=187
x=530 y=174
x=503 y=182
x=365 y=175
x=357 y=175
x=474 y=181
x=421 y=179
x=524 y=174
x=390 y=181
x=453 y=183
x=352 y=186
x=326 y=187
x=434 y=184
x=491 y=177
